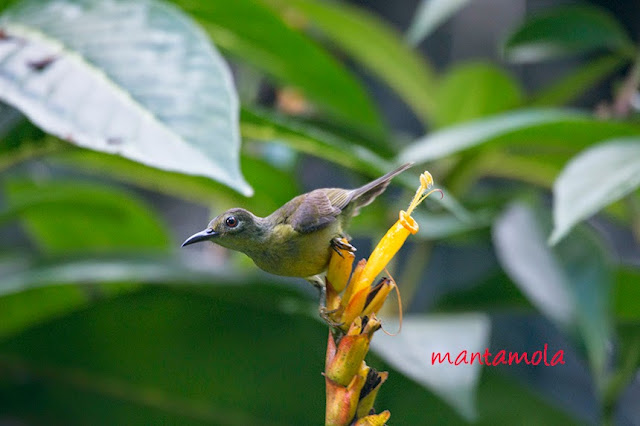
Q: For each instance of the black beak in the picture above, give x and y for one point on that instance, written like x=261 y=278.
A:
x=205 y=235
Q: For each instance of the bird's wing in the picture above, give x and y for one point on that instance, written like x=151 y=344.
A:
x=319 y=208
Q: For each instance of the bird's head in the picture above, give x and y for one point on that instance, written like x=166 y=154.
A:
x=237 y=229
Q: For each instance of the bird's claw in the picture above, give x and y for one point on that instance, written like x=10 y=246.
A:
x=324 y=312
x=325 y=315
x=338 y=244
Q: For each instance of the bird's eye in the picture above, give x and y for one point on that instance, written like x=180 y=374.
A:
x=231 y=222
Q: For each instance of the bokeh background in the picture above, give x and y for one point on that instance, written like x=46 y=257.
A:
x=126 y=126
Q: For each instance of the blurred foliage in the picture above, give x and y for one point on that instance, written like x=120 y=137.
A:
x=103 y=321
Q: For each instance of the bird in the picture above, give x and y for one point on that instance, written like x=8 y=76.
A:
x=297 y=239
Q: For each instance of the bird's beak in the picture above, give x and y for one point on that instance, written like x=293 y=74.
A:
x=205 y=235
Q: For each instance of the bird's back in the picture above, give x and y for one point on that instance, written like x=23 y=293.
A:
x=303 y=228
x=316 y=209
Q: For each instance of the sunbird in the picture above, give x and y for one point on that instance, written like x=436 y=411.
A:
x=297 y=239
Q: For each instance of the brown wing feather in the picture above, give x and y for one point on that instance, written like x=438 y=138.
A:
x=319 y=208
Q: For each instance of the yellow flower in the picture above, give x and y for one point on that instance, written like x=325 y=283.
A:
x=351 y=385
x=359 y=297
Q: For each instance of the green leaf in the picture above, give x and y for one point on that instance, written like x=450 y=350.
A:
x=67 y=216
x=23 y=142
x=411 y=353
x=273 y=187
x=264 y=126
x=569 y=283
x=252 y=32
x=474 y=90
x=567 y=30
x=159 y=93
x=187 y=187
x=6 y=3
x=261 y=126
x=627 y=294
x=430 y=15
x=373 y=44
x=26 y=274
x=34 y=291
x=32 y=305
x=569 y=87
x=166 y=356
x=592 y=180
x=116 y=361
x=539 y=127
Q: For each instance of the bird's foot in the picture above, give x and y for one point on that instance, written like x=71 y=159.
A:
x=338 y=244
x=325 y=314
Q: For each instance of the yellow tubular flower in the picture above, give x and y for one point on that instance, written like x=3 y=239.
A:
x=340 y=267
x=346 y=297
x=395 y=237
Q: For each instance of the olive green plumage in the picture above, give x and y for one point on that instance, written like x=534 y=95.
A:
x=295 y=240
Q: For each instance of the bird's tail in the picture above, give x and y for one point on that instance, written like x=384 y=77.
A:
x=366 y=194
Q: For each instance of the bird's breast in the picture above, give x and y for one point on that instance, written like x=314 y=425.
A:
x=292 y=254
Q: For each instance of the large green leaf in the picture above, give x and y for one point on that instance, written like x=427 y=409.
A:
x=570 y=283
x=575 y=83
x=157 y=93
x=27 y=299
x=23 y=305
x=538 y=127
x=33 y=291
x=373 y=44
x=571 y=29
x=411 y=352
x=207 y=357
x=430 y=15
x=592 y=180
x=474 y=90
x=252 y=32
x=67 y=216
x=169 y=356
x=27 y=274
x=63 y=217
